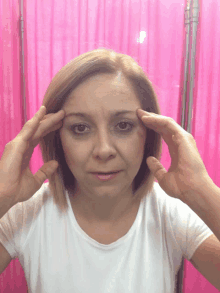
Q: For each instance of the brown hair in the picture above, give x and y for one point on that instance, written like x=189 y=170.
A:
x=64 y=82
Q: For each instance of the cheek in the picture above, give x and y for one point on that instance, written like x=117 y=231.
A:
x=73 y=152
x=140 y=138
x=134 y=146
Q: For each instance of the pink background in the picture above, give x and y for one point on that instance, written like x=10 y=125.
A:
x=150 y=31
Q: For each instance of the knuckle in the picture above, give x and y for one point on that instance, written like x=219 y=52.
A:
x=43 y=175
x=28 y=123
x=170 y=119
x=191 y=137
x=8 y=145
x=11 y=143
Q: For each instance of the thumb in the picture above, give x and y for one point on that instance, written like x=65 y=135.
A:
x=45 y=171
x=156 y=168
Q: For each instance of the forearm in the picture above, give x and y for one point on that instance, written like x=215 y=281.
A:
x=205 y=202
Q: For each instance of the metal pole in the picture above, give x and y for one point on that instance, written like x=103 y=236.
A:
x=191 y=23
x=194 y=23
x=22 y=60
x=186 y=67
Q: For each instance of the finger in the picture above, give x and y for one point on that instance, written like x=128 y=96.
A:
x=46 y=116
x=45 y=124
x=31 y=125
x=49 y=123
x=156 y=168
x=45 y=172
x=53 y=128
x=36 y=138
x=163 y=125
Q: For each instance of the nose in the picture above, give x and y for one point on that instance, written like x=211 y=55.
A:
x=104 y=146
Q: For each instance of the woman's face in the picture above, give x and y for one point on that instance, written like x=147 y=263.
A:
x=100 y=141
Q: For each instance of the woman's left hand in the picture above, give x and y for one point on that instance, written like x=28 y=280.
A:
x=187 y=171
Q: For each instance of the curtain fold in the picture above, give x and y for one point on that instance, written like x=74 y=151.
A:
x=150 y=31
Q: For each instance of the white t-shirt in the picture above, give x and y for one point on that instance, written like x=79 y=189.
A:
x=58 y=256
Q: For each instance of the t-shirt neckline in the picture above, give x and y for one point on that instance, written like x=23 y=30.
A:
x=93 y=241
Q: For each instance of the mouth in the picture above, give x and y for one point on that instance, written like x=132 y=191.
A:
x=106 y=176
x=106 y=173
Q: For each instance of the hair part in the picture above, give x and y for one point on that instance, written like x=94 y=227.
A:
x=64 y=82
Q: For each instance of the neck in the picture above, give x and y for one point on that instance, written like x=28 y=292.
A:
x=106 y=211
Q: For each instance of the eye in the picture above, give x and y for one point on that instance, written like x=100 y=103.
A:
x=124 y=124
x=124 y=128
x=81 y=128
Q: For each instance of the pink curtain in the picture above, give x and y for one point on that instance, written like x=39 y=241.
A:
x=150 y=31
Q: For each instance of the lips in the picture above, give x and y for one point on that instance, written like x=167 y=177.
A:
x=106 y=173
x=105 y=177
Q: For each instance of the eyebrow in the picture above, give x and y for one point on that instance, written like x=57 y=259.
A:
x=113 y=114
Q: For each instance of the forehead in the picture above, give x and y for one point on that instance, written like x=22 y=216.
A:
x=103 y=91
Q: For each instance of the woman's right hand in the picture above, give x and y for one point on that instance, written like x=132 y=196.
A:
x=16 y=180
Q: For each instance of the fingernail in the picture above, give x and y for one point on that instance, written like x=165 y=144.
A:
x=42 y=107
x=62 y=111
x=144 y=113
x=140 y=111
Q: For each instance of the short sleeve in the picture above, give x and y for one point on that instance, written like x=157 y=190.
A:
x=183 y=224
x=189 y=229
x=19 y=221
x=9 y=229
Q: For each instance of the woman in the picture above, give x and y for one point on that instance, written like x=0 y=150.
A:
x=93 y=232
